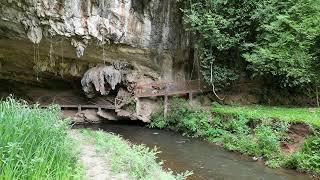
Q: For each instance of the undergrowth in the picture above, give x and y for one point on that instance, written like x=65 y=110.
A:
x=244 y=131
x=308 y=157
x=138 y=160
x=34 y=143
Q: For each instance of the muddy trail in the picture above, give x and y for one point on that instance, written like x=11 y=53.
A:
x=94 y=163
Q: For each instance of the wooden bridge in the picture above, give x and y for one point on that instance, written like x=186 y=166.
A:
x=169 y=88
x=80 y=107
x=154 y=89
x=74 y=103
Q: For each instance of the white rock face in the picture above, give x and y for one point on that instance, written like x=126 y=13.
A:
x=75 y=35
x=138 y=23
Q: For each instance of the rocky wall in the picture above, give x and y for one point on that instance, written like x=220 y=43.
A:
x=43 y=39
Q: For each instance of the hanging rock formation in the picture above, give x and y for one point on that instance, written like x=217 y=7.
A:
x=100 y=79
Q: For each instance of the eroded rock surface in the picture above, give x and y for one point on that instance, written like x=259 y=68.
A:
x=147 y=23
x=42 y=41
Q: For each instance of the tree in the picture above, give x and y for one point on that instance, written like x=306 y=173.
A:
x=278 y=39
x=285 y=47
x=221 y=27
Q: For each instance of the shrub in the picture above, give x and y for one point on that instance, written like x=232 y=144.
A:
x=183 y=118
x=267 y=140
x=308 y=158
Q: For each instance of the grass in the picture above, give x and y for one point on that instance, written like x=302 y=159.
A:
x=34 y=143
x=306 y=115
x=138 y=160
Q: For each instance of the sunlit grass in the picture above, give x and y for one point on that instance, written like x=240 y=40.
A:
x=34 y=143
x=306 y=115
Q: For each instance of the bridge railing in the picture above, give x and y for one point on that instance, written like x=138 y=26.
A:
x=162 y=88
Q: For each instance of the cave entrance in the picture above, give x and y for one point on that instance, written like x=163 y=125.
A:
x=44 y=92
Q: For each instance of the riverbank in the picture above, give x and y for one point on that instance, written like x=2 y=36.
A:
x=136 y=161
x=36 y=144
x=281 y=137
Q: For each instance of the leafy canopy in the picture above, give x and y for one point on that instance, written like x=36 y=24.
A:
x=277 y=39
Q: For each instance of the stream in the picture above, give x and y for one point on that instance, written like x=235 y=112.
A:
x=206 y=160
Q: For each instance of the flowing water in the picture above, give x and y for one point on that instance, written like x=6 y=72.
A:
x=206 y=160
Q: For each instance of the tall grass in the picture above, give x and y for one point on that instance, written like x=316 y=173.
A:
x=34 y=143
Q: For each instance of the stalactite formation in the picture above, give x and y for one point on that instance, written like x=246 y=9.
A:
x=101 y=79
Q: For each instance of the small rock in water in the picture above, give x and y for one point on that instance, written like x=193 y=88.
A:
x=257 y=158
x=155 y=133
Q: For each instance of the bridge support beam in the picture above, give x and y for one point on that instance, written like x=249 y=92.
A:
x=165 y=111
x=137 y=106
x=190 y=97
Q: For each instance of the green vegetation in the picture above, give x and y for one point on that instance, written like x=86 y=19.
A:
x=305 y=115
x=138 y=160
x=256 y=131
x=308 y=157
x=34 y=143
x=277 y=40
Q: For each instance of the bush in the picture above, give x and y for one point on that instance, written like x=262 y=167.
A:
x=267 y=140
x=238 y=137
x=183 y=118
x=308 y=158
x=34 y=143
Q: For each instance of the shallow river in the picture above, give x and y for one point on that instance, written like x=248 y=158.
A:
x=206 y=160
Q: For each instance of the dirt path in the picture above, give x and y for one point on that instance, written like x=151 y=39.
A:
x=95 y=163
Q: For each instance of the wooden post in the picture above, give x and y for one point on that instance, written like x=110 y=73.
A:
x=79 y=108
x=190 y=98
x=317 y=94
x=165 y=106
x=137 y=106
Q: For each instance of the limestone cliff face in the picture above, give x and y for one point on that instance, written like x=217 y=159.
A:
x=52 y=39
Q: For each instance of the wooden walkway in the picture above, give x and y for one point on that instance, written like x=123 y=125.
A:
x=169 y=88
x=80 y=107
x=154 y=89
